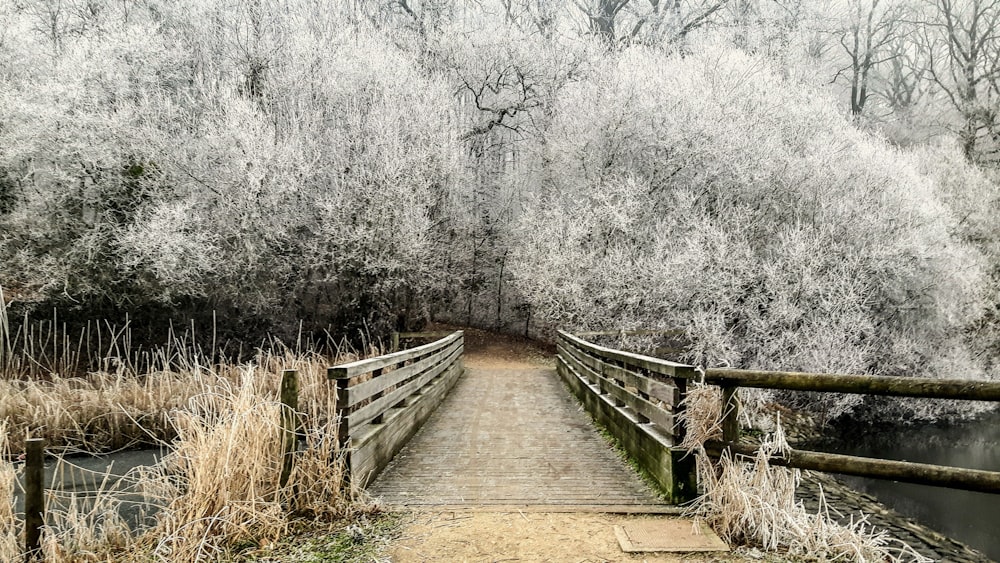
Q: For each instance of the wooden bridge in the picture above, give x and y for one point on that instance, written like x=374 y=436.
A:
x=510 y=436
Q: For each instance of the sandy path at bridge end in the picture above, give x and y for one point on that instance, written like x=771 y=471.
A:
x=463 y=536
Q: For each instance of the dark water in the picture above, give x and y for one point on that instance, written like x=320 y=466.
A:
x=972 y=518
x=79 y=476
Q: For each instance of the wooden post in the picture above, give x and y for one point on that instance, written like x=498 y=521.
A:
x=343 y=421
x=683 y=470
x=34 y=498
x=289 y=421
x=730 y=413
x=395 y=342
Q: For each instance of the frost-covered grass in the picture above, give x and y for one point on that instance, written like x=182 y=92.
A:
x=751 y=502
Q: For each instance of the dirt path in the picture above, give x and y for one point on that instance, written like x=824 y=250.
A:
x=457 y=536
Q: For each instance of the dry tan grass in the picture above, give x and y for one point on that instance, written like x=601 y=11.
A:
x=751 y=502
x=220 y=485
x=10 y=525
x=108 y=411
x=228 y=460
x=219 y=489
x=86 y=527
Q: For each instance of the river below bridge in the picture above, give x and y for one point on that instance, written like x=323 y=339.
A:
x=80 y=476
x=969 y=517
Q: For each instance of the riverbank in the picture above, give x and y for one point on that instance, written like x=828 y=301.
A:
x=848 y=504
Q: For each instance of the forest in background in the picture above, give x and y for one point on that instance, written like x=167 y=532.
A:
x=797 y=184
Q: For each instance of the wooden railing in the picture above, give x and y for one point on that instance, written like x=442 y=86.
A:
x=952 y=477
x=381 y=402
x=423 y=336
x=616 y=387
x=637 y=399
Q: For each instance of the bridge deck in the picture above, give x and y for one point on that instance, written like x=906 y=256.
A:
x=512 y=438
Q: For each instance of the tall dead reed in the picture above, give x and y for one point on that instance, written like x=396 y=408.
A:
x=748 y=501
x=10 y=524
x=217 y=492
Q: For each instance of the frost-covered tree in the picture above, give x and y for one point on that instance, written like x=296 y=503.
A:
x=872 y=28
x=261 y=158
x=962 y=42
x=617 y=22
x=777 y=236
x=368 y=164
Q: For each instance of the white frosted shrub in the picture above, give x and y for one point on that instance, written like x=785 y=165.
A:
x=280 y=162
x=72 y=132
x=973 y=195
x=705 y=192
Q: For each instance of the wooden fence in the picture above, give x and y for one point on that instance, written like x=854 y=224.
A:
x=381 y=402
x=397 y=337
x=730 y=380
x=637 y=399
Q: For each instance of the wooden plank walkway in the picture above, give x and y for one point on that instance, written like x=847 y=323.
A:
x=513 y=438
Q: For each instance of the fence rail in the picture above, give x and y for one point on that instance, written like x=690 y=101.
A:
x=961 y=389
x=623 y=381
x=922 y=473
x=433 y=335
x=381 y=402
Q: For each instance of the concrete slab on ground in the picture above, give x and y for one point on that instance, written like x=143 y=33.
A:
x=677 y=535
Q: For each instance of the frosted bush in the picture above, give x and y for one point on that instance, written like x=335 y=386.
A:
x=269 y=159
x=681 y=193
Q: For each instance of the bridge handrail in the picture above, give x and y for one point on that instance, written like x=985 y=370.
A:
x=360 y=367
x=884 y=385
x=635 y=332
x=650 y=364
x=637 y=399
x=432 y=335
x=381 y=402
x=729 y=380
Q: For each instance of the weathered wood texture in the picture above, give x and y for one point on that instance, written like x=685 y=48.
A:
x=34 y=497
x=598 y=370
x=622 y=333
x=397 y=336
x=967 y=389
x=381 y=402
x=509 y=439
x=620 y=391
x=908 y=472
x=289 y=394
x=639 y=363
x=936 y=475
